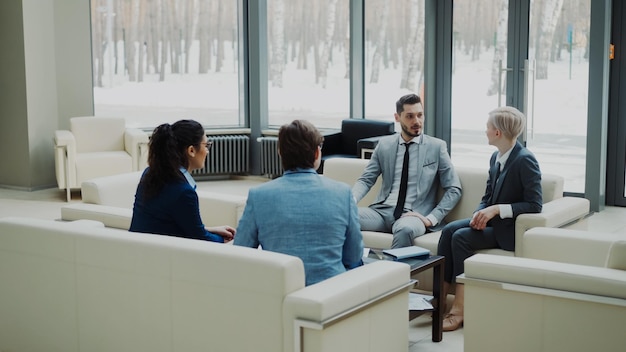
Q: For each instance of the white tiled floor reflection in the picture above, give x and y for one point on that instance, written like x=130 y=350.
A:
x=46 y=204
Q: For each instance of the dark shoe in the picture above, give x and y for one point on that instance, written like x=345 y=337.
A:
x=452 y=322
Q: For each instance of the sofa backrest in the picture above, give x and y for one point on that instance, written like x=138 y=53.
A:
x=76 y=286
x=574 y=246
x=349 y=170
x=473 y=182
x=98 y=134
x=115 y=190
x=118 y=191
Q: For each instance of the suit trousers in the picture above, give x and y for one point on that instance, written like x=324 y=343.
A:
x=458 y=242
x=380 y=218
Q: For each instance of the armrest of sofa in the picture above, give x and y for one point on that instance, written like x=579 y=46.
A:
x=543 y=274
x=63 y=138
x=366 y=143
x=372 y=299
x=110 y=216
x=115 y=190
x=569 y=246
x=556 y=213
x=136 y=144
x=64 y=143
x=218 y=209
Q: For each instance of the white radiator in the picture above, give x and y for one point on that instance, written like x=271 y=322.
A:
x=230 y=154
x=270 y=160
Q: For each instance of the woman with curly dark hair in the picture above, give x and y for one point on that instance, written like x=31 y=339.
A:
x=166 y=201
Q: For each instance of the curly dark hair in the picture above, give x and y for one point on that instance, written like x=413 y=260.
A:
x=168 y=152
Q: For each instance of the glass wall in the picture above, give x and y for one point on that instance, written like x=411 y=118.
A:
x=478 y=72
x=555 y=76
x=160 y=61
x=394 y=54
x=557 y=94
x=308 y=61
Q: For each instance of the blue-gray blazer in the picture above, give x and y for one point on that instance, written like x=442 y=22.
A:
x=306 y=215
x=435 y=170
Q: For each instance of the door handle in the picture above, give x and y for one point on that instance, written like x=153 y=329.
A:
x=529 y=98
x=501 y=70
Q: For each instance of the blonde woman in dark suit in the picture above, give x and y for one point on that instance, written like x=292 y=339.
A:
x=513 y=188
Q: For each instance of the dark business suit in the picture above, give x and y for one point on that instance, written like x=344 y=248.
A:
x=174 y=211
x=519 y=184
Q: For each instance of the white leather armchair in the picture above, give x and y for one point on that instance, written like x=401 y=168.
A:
x=96 y=147
x=568 y=293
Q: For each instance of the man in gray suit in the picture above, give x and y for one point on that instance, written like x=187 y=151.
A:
x=413 y=166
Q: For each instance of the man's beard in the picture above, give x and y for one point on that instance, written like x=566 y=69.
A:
x=408 y=132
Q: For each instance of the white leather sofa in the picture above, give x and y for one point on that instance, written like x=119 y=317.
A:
x=557 y=210
x=80 y=286
x=96 y=147
x=567 y=294
x=110 y=200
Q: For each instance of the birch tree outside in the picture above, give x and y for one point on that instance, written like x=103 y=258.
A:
x=557 y=75
x=309 y=58
x=156 y=61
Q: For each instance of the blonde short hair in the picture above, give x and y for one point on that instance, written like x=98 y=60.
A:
x=508 y=120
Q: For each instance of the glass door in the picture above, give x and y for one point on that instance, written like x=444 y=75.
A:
x=556 y=77
x=479 y=60
x=533 y=55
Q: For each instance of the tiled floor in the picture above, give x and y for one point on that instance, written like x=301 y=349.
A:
x=47 y=203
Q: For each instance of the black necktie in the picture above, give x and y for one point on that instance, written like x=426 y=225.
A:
x=404 y=179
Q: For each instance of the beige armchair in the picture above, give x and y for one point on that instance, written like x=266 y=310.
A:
x=96 y=147
x=568 y=293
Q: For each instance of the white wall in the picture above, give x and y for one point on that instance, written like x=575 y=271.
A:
x=45 y=77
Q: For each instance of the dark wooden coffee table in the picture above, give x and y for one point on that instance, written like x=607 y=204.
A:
x=417 y=266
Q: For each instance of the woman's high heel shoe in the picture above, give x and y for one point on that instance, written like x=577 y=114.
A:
x=452 y=322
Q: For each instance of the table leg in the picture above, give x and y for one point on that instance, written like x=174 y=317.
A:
x=438 y=294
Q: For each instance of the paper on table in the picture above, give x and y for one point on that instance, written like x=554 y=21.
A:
x=428 y=298
x=366 y=251
x=418 y=302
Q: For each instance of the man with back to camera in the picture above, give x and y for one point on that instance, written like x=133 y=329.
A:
x=303 y=213
x=413 y=167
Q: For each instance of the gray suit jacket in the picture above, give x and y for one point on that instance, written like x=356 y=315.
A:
x=435 y=170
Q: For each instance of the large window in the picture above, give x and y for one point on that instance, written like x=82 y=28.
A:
x=160 y=61
x=394 y=54
x=549 y=84
x=309 y=61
